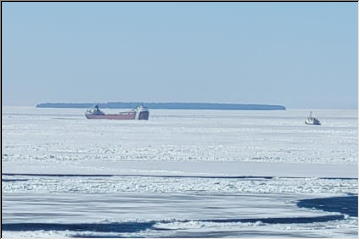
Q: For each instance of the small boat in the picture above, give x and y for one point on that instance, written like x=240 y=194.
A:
x=310 y=120
x=138 y=113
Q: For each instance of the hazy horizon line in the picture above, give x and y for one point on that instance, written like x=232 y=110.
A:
x=287 y=108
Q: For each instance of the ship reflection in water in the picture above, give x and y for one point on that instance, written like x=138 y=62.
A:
x=138 y=113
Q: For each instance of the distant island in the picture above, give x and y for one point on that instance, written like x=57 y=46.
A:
x=193 y=106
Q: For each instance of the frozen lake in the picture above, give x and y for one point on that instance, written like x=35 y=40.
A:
x=183 y=173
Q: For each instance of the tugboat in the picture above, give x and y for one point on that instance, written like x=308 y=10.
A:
x=138 y=113
x=310 y=120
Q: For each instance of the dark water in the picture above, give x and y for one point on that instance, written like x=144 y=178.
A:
x=345 y=205
x=140 y=226
x=161 y=176
x=339 y=206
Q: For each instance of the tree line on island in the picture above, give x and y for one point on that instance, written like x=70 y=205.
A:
x=174 y=105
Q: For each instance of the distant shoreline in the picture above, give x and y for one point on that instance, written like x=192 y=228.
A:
x=177 y=105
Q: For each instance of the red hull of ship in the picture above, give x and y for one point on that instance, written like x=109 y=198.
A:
x=123 y=116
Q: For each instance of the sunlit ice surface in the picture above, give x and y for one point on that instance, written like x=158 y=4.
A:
x=182 y=173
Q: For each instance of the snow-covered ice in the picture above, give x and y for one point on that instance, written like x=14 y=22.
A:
x=183 y=173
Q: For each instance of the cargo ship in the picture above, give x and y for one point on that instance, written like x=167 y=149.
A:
x=138 y=113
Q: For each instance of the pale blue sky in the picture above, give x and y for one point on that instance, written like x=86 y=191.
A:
x=301 y=55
